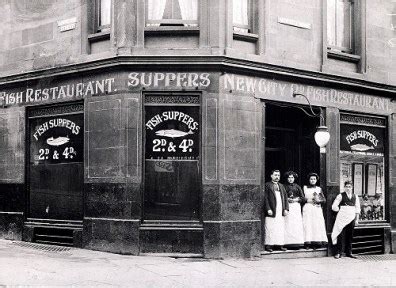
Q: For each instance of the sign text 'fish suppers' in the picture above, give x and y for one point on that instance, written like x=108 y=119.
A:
x=57 y=140
x=172 y=134
x=362 y=140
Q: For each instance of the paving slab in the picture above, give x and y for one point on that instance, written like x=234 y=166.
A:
x=27 y=264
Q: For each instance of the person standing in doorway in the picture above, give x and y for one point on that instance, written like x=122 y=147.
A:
x=313 y=220
x=294 y=232
x=276 y=207
x=347 y=206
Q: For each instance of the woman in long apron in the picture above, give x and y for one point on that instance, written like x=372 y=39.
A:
x=313 y=221
x=294 y=232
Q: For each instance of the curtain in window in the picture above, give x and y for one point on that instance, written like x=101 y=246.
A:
x=339 y=23
x=240 y=12
x=189 y=9
x=105 y=11
x=331 y=14
x=344 y=25
x=156 y=9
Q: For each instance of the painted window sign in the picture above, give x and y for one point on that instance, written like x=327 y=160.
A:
x=362 y=139
x=172 y=133
x=57 y=139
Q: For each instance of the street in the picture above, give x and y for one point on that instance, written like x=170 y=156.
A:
x=31 y=264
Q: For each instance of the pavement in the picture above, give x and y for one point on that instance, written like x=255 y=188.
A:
x=31 y=264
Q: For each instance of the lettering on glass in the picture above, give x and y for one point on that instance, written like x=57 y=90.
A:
x=363 y=140
x=172 y=134
x=57 y=139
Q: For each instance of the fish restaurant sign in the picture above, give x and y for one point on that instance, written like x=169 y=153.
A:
x=282 y=90
x=57 y=140
x=101 y=86
x=362 y=139
x=172 y=134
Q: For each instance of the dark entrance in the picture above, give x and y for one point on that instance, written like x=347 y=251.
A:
x=55 y=167
x=289 y=143
x=172 y=166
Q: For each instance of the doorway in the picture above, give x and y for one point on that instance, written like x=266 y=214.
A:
x=55 y=168
x=172 y=157
x=289 y=142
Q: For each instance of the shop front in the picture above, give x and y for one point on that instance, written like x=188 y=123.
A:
x=359 y=147
x=142 y=162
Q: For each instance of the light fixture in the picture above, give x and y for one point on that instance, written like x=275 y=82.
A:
x=322 y=135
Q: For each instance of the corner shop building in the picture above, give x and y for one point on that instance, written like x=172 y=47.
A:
x=136 y=161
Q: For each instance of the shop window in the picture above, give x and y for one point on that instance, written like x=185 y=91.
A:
x=172 y=13
x=340 y=30
x=103 y=15
x=242 y=14
x=362 y=155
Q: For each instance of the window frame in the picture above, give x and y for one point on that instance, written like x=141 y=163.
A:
x=98 y=9
x=244 y=29
x=352 y=30
x=367 y=121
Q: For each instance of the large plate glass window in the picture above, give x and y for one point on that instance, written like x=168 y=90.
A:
x=172 y=137
x=362 y=155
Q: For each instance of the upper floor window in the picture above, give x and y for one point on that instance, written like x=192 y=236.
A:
x=340 y=25
x=103 y=12
x=172 y=12
x=242 y=12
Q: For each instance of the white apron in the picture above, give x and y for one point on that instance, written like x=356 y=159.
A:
x=294 y=233
x=313 y=220
x=345 y=216
x=275 y=226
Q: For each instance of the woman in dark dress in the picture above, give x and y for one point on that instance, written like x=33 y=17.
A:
x=294 y=233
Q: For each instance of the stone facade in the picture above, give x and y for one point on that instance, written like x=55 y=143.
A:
x=285 y=52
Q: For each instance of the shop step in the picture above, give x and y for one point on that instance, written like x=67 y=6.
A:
x=368 y=241
x=55 y=232
x=290 y=254
x=54 y=243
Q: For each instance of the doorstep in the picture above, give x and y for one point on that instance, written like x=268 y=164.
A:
x=292 y=254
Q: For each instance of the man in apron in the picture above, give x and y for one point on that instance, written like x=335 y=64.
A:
x=348 y=207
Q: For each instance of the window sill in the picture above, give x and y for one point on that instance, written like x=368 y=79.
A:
x=99 y=36
x=171 y=30
x=334 y=54
x=249 y=37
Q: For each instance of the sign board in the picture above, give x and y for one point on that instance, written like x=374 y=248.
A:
x=277 y=90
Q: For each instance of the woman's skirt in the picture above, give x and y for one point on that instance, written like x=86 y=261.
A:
x=294 y=233
x=314 y=225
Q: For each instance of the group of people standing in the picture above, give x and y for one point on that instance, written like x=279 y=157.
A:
x=294 y=216
x=299 y=220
